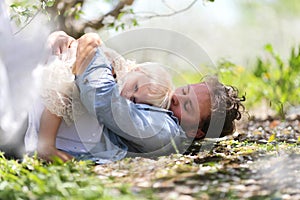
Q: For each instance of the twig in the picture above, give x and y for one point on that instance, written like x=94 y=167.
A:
x=23 y=27
x=115 y=12
x=155 y=15
x=168 y=6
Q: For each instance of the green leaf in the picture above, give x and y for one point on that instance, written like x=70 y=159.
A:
x=260 y=68
x=50 y=3
x=135 y=22
x=269 y=48
x=120 y=15
x=14 y=5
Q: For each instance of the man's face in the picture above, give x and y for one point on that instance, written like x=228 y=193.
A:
x=191 y=105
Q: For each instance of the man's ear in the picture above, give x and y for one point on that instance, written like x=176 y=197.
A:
x=200 y=134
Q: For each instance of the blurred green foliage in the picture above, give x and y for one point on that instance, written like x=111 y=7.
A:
x=271 y=79
x=23 y=11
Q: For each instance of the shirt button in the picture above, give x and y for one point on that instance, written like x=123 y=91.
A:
x=85 y=81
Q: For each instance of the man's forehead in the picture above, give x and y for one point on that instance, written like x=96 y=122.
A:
x=201 y=93
x=200 y=87
x=203 y=98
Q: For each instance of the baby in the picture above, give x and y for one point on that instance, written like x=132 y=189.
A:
x=146 y=83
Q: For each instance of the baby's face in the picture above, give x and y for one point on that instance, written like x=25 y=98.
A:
x=136 y=87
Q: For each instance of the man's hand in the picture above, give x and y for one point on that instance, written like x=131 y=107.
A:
x=49 y=153
x=59 y=42
x=86 y=49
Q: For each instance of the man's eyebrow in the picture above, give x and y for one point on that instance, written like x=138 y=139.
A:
x=190 y=101
x=184 y=89
x=189 y=87
x=191 y=105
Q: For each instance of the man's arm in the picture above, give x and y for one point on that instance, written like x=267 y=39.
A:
x=147 y=130
x=86 y=49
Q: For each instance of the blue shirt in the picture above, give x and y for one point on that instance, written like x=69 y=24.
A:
x=137 y=129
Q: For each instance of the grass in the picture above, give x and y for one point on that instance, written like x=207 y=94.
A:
x=232 y=170
x=34 y=179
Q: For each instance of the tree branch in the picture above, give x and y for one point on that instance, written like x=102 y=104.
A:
x=97 y=24
x=32 y=18
x=57 y=12
x=66 y=23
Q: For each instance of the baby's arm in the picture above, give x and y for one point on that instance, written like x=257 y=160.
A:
x=49 y=125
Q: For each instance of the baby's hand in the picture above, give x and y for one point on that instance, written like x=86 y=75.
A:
x=49 y=153
x=59 y=42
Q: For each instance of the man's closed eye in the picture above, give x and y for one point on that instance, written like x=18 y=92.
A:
x=136 y=88
x=187 y=106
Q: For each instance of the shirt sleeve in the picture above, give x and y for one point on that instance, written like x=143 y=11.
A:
x=144 y=129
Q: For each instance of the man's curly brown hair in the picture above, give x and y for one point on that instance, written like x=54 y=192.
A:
x=225 y=100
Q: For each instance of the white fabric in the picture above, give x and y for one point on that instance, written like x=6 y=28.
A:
x=57 y=84
x=81 y=136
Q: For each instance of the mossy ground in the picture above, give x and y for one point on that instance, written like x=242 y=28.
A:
x=261 y=161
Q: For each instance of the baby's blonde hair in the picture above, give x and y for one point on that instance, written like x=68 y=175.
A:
x=161 y=89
